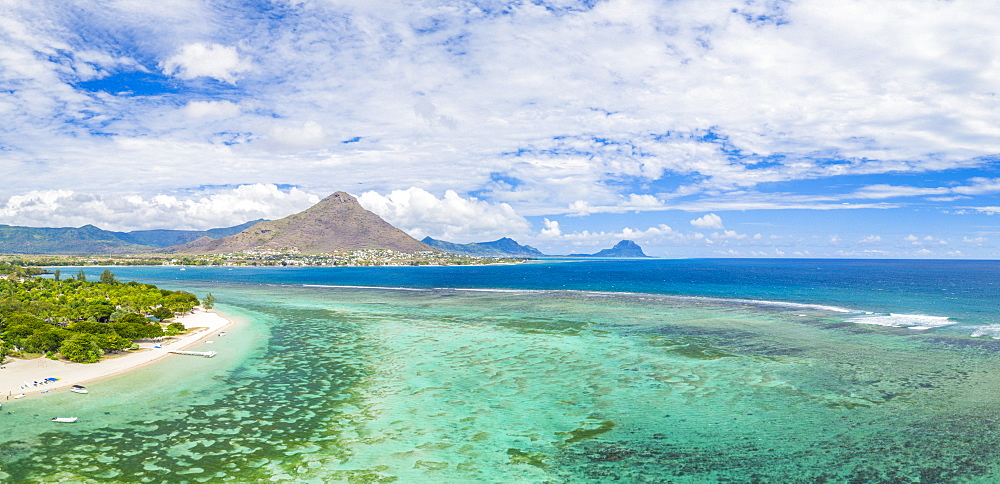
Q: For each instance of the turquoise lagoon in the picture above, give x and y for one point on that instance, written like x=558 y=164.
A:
x=555 y=372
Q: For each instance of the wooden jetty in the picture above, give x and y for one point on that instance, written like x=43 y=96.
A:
x=206 y=354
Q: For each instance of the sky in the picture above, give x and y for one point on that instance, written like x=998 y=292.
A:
x=697 y=128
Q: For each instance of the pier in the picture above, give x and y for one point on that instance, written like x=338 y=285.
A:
x=206 y=354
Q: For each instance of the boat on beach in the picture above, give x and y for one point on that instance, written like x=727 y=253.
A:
x=78 y=389
x=65 y=419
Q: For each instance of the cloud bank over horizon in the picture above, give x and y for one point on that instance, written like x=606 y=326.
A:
x=799 y=120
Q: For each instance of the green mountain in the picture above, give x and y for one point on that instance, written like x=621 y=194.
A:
x=168 y=238
x=505 y=247
x=67 y=240
x=337 y=222
x=92 y=240
x=624 y=248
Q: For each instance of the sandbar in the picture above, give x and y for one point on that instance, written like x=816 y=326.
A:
x=16 y=372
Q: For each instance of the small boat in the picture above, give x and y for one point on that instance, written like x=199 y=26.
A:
x=65 y=419
x=78 y=389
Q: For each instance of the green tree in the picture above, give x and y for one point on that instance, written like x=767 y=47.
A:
x=16 y=333
x=21 y=318
x=99 y=310
x=175 y=328
x=91 y=327
x=56 y=275
x=45 y=340
x=107 y=277
x=81 y=276
x=133 y=318
x=112 y=342
x=128 y=330
x=150 y=331
x=209 y=301
x=81 y=348
x=180 y=301
x=163 y=313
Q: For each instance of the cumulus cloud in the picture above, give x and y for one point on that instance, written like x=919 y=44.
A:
x=218 y=208
x=451 y=217
x=206 y=59
x=551 y=229
x=710 y=221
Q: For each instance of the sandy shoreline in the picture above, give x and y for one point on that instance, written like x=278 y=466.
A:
x=16 y=372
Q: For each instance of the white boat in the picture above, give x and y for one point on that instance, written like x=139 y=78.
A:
x=78 y=389
x=65 y=419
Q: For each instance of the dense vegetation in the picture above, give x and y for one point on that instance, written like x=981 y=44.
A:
x=92 y=240
x=82 y=320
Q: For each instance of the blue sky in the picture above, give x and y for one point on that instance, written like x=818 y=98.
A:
x=696 y=128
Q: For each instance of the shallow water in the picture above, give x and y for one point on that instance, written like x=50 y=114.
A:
x=332 y=384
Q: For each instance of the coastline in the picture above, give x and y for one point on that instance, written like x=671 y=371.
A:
x=16 y=372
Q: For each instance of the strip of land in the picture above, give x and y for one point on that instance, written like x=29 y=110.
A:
x=17 y=372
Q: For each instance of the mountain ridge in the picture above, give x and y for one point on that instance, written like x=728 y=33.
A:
x=503 y=247
x=89 y=239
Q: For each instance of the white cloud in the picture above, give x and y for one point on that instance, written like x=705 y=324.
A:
x=978 y=241
x=637 y=202
x=551 y=229
x=292 y=136
x=450 y=218
x=206 y=59
x=217 y=208
x=871 y=239
x=925 y=240
x=889 y=191
x=211 y=109
x=729 y=235
x=710 y=221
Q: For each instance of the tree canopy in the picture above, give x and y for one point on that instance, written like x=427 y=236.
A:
x=82 y=320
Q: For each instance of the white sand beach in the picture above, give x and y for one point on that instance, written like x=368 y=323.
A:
x=16 y=372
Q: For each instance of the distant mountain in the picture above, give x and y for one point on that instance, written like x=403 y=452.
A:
x=624 y=248
x=168 y=238
x=337 y=222
x=65 y=240
x=505 y=247
x=92 y=240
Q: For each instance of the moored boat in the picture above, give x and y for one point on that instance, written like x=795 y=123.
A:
x=78 y=389
x=65 y=419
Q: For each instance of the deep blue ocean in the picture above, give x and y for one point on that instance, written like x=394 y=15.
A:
x=967 y=291
x=593 y=371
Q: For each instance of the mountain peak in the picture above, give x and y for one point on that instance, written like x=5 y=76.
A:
x=339 y=197
x=624 y=248
x=338 y=222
